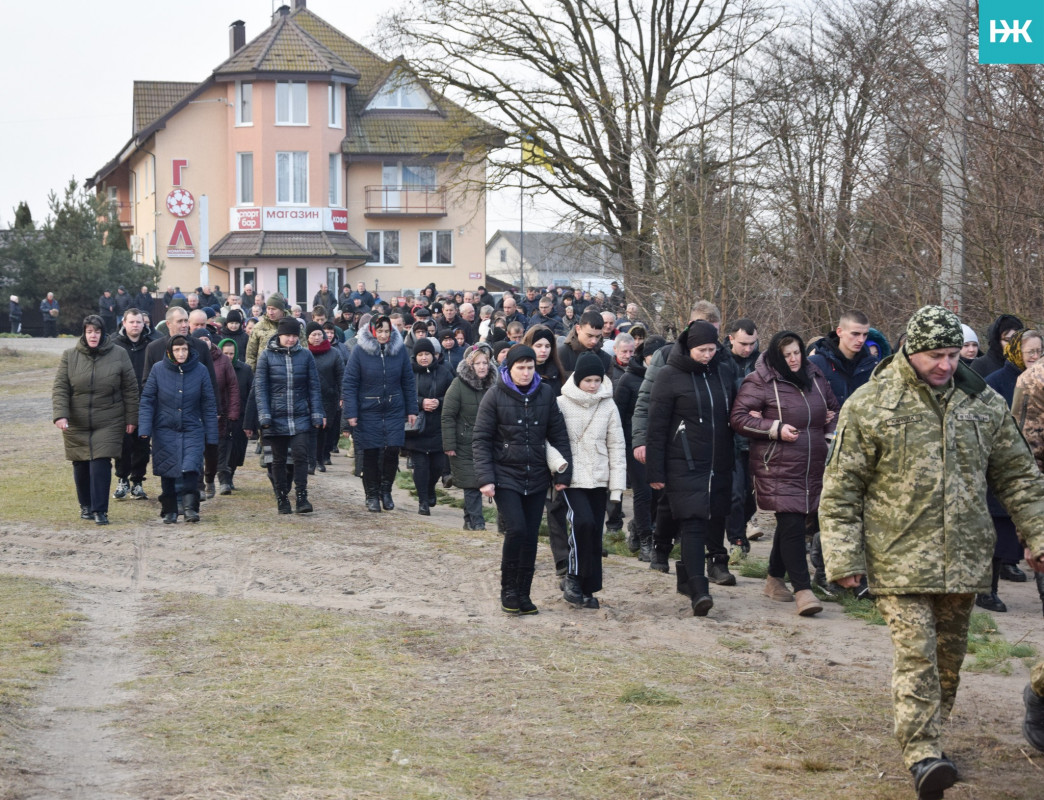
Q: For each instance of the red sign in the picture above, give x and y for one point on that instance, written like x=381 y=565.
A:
x=474 y=276
x=339 y=219
x=180 y=245
x=247 y=219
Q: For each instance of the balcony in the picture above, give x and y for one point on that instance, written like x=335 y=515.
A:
x=405 y=201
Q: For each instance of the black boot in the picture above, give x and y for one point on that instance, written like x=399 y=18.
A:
x=283 y=502
x=303 y=506
x=509 y=587
x=422 y=508
x=645 y=546
x=718 y=570
x=683 y=578
x=658 y=561
x=991 y=601
x=191 y=506
x=634 y=543
x=1033 y=725
x=389 y=469
x=571 y=591
x=371 y=479
x=525 y=584
x=168 y=508
x=699 y=591
x=1039 y=578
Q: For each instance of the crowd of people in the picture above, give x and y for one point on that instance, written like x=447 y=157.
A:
x=876 y=459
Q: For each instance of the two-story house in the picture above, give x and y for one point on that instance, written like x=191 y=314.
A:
x=304 y=158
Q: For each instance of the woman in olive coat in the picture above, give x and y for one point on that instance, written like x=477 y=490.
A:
x=95 y=401
x=459 y=411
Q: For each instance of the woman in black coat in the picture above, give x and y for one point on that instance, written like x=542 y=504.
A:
x=516 y=420
x=433 y=380
x=232 y=450
x=549 y=367
x=689 y=450
x=330 y=366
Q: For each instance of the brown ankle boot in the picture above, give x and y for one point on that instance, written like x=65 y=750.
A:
x=776 y=589
x=807 y=603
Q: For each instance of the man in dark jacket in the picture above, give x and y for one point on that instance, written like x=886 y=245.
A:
x=143 y=301
x=452 y=319
x=133 y=463
x=742 y=341
x=545 y=316
x=998 y=335
x=325 y=298
x=107 y=311
x=123 y=302
x=512 y=313
x=843 y=357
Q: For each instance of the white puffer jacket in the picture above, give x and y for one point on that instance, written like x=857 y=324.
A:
x=596 y=437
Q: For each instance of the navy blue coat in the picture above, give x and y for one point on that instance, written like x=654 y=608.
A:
x=287 y=390
x=379 y=391
x=843 y=375
x=179 y=411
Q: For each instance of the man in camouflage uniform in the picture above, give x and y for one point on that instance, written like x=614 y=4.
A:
x=904 y=503
x=275 y=310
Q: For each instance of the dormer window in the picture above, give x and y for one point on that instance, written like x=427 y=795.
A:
x=291 y=103
x=402 y=92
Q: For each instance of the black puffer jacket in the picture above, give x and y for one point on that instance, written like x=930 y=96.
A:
x=510 y=435
x=688 y=442
x=286 y=387
x=432 y=382
x=993 y=359
x=625 y=394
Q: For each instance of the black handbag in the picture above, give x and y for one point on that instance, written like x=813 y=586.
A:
x=417 y=427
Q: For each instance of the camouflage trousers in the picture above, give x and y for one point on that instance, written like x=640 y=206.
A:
x=929 y=638
x=1037 y=679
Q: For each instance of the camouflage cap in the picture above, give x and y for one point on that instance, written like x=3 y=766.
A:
x=932 y=328
x=275 y=300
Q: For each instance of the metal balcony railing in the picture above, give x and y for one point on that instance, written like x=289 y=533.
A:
x=406 y=201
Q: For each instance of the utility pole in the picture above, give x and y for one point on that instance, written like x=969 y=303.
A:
x=955 y=151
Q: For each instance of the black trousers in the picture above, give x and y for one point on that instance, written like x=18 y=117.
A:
x=743 y=505
x=788 y=550
x=134 y=461
x=297 y=445
x=521 y=514
x=557 y=527
x=171 y=487
x=695 y=534
x=427 y=469
x=586 y=512
x=642 y=494
x=93 y=479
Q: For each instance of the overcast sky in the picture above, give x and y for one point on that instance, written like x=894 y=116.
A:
x=69 y=66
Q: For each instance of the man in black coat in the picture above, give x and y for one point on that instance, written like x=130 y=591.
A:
x=143 y=301
x=107 y=311
x=123 y=302
x=545 y=316
x=585 y=336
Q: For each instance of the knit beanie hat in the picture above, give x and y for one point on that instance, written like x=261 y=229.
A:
x=447 y=333
x=932 y=328
x=423 y=345
x=519 y=352
x=586 y=366
x=313 y=326
x=503 y=345
x=275 y=300
x=541 y=332
x=288 y=326
x=699 y=333
x=969 y=334
x=234 y=315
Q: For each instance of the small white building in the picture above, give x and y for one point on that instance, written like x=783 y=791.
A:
x=553 y=258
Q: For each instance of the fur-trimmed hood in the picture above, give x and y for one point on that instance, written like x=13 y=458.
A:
x=466 y=372
x=372 y=347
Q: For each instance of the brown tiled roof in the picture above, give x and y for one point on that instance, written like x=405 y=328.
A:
x=284 y=47
x=267 y=244
x=387 y=132
x=153 y=98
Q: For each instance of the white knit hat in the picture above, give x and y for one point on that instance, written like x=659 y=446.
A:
x=969 y=334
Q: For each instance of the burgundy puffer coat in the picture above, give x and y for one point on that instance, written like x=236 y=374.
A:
x=788 y=476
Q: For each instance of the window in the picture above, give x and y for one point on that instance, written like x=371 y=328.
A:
x=244 y=179
x=291 y=103
x=402 y=92
x=334 y=95
x=503 y=255
x=436 y=248
x=335 y=180
x=410 y=176
x=112 y=194
x=383 y=247
x=292 y=179
x=244 y=103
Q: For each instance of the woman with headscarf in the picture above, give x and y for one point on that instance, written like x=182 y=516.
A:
x=433 y=380
x=95 y=402
x=379 y=395
x=475 y=375
x=549 y=367
x=179 y=412
x=787 y=410
x=1021 y=351
x=689 y=452
x=517 y=418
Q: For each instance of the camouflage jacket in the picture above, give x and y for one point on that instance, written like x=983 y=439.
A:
x=1028 y=409
x=904 y=494
x=263 y=331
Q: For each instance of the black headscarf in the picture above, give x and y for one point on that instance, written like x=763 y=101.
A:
x=774 y=357
x=94 y=321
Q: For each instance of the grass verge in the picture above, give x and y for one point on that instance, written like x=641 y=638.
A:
x=990 y=651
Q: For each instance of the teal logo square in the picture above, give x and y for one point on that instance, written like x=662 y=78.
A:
x=1011 y=31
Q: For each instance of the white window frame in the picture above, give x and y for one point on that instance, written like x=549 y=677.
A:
x=291 y=89
x=242 y=159
x=383 y=235
x=434 y=235
x=399 y=88
x=244 y=103
x=336 y=195
x=335 y=105
x=296 y=159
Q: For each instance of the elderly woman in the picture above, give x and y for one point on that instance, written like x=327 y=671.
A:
x=787 y=410
x=433 y=380
x=378 y=396
x=95 y=401
x=179 y=411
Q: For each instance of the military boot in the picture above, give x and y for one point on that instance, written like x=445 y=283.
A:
x=1033 y=725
